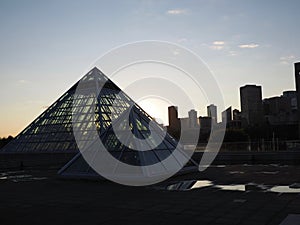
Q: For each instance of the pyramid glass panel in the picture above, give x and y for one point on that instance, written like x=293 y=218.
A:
x=109 y=114
x=116 y=110
x=52 y=131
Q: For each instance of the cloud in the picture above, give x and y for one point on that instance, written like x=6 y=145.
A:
x=232 y=53
x=284 y=63
x=22 y=82
x=182 y=40
x=249 y=45
x=287 y=60
x=176 y=11
x=289 y=57
x=218 y=42
x=217 y=45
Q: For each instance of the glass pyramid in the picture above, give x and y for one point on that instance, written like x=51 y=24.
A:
x=114 y=105
x=52 y=131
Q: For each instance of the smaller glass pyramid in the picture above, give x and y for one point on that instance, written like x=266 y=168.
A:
x=114 y=105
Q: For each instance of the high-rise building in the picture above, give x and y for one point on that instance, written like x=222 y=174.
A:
x=281 y=110
x=227 y=115
x=297 y=80
x=236 y=114
x=193 y=120
x=251 y=104
x=212 y=113
x=184 y=124
x=174 y=122
x=205 y=124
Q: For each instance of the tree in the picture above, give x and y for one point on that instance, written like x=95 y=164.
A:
x=4 y=141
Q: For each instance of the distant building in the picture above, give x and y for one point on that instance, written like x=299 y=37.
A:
x=212 y=112
x=236 y=122
x=173 y=117
x=236 y=114
x=297 y=80
x=205 y=124
x=174 y=122
x=185 y=123
x=281 y=110
x=193 y=119
x=227 y=115
x=251 y=105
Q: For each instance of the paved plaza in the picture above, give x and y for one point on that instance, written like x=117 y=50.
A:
x=40 y=197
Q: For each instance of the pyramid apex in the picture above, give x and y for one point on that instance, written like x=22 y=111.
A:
x=96 y=71
x=96 y=68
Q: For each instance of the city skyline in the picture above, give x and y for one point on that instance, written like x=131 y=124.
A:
x=219 y=114
x=43 y=53
x=252 y=89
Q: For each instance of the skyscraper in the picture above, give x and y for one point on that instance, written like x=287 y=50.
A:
x=193 y=120
x=297 y=80
x=205 y=124
x=227 y=115
x=281 y=110
x=251 y=104
x=212 y=112
x=236 y=114
x=174 y=122
x=173 y=117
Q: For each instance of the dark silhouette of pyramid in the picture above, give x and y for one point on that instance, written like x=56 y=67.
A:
x=52 y=131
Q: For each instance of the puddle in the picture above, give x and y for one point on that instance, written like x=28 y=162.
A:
x=11 y=172
x=268 y=172
x=17 y=176
x=284 y=189
x=239 y=200
x=274 y=164
x=25 y=179
x=234 y=187
x=212 y=166
x=242 y=187
x=246 y=164
x=189 y=185
x=249 y=187
x=236 y=172
x=196 y=184
x=258 y=188
x=265 y=165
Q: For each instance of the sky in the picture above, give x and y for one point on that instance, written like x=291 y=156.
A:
x=46 y=46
